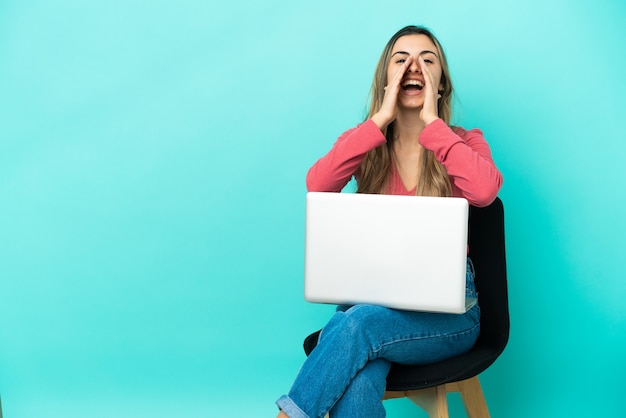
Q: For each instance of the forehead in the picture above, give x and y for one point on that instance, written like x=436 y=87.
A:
x=414 y=43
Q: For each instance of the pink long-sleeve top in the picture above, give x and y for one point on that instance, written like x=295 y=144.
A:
x=464 y=153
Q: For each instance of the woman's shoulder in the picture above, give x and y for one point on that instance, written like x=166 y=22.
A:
x=464 y=133
x=365 y=133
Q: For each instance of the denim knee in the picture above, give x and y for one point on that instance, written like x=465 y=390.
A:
x=354 y=322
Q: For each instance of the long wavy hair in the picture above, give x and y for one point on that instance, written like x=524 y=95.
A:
x=374 y=171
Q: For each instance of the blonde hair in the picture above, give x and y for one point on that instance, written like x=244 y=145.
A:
x=373 y=173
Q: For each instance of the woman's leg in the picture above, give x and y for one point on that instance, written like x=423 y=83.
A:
x=363 y=397
x=364 y=333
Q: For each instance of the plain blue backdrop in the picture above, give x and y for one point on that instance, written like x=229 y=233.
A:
x=152 y=163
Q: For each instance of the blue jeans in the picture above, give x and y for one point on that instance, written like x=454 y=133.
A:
x=346 y=373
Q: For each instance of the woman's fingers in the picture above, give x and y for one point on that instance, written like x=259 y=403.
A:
x=399 y=75
x=428 y=76
x=392 y=89
x=431 y=95
x=388 y=108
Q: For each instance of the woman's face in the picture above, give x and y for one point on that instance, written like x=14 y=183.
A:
x=412 y=84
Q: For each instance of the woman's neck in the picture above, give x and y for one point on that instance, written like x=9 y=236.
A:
x=407 y=129
x=406 y=148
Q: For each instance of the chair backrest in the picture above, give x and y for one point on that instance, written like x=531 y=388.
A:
x=487 y=251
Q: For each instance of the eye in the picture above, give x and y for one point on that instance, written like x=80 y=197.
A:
x=400 y=60
x=428 y=61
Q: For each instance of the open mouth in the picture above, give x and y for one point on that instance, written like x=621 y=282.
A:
x=412 y=85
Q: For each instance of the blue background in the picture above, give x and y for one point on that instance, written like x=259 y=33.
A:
x=152 y=163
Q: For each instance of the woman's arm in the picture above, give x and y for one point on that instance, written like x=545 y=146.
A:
x=467 y=158
x=335 y=169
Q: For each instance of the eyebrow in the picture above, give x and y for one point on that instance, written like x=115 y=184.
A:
x=421 y=53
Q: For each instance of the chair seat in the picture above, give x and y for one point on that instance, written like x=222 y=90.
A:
x=403 y=377
x=462 y=367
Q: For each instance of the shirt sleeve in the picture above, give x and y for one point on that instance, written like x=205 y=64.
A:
x=467 y=158
x=335 y=169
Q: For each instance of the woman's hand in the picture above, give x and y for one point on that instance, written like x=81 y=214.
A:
x=430 y=112
x=389 y=109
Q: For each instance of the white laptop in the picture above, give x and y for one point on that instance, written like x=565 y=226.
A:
x=403 y=252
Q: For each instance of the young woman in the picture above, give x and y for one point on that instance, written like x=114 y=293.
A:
x=405 y=147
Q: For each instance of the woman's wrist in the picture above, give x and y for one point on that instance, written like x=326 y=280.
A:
x=381 y=121
x=430 y=119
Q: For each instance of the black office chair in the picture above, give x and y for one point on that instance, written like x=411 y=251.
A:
x=428 y=385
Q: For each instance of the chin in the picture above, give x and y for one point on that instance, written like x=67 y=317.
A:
x=411 y=105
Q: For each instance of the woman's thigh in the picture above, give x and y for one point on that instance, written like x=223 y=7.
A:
x=409 y=337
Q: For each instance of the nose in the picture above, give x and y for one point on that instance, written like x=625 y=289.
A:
x=414 y=67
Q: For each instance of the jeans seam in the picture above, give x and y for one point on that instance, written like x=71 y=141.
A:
x=422 y=337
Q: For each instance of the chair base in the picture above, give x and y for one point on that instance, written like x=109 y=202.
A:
x=434 y=402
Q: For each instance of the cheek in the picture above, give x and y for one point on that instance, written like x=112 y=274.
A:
x=438 y=77
x=437 y=72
